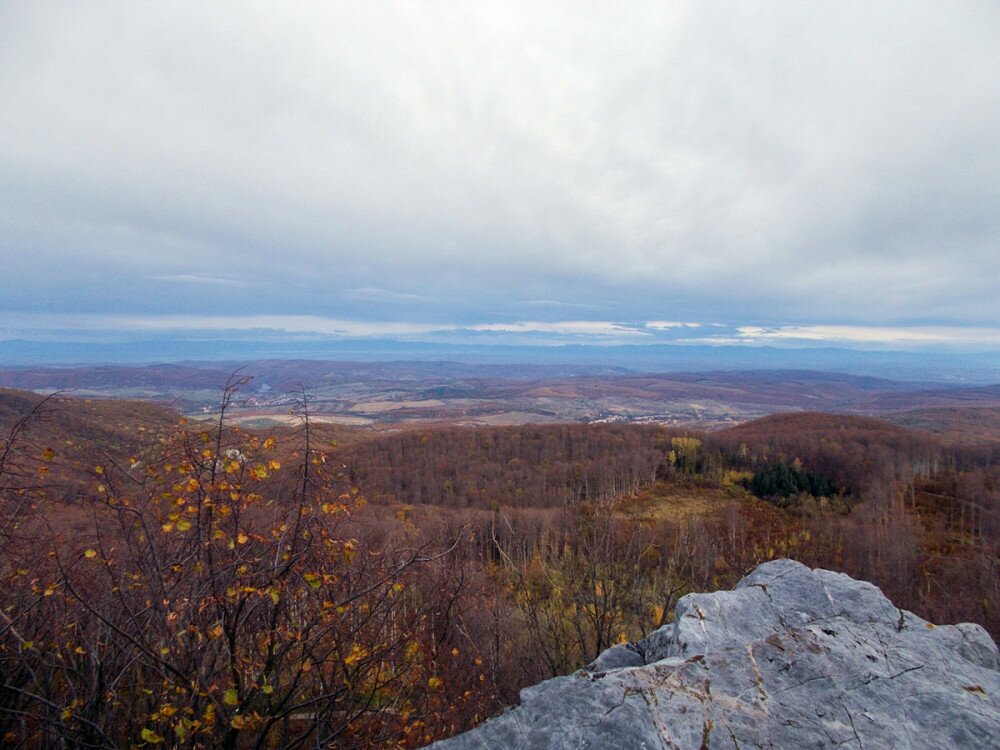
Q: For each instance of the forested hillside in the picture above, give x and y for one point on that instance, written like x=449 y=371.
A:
x=202 y=585
x=536 y=466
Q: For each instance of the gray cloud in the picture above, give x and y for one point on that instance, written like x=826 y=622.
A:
x=758 y=163
x=376 y=294
x=189 y=278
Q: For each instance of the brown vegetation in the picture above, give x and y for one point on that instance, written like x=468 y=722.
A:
x=205 y=586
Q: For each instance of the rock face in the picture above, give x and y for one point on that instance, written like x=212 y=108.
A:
x=790 y=658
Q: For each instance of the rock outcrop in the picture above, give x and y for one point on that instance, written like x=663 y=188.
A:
x=790 y=658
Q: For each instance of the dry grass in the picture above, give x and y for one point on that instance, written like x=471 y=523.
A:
x=680 y=501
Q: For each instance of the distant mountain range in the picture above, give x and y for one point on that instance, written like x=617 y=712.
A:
x=932 y=365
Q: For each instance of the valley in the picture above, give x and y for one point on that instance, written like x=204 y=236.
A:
x=396 y=544
x=394 y=394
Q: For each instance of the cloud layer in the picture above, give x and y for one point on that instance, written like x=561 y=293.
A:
x=795 y=169
x=305 y=328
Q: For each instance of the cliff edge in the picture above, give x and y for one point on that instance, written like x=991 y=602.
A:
x=791 y=658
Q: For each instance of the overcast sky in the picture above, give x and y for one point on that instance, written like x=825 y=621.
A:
x=761 y=172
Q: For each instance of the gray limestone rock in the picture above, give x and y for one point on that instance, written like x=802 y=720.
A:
x=790 y=658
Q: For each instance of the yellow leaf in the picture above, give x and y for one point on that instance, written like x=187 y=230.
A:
x=242 y=538
x=98 y=469
x=150 y=736
x=48 y=455
x=434 y=683
x=90 y=553
x=356 y=655
x=269 y=443
x=231 y=697
x=167 y=527
x=274 y=465
x=183 y=525
x=313 y=580
x=268 y=689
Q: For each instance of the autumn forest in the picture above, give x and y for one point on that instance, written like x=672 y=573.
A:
x=192 y=583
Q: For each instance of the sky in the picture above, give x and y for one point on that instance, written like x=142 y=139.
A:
x=735 y=173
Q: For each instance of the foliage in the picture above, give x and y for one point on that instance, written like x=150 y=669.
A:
x=216 y=604
x=211 y=587
x=781 y=480
x=525 y=466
